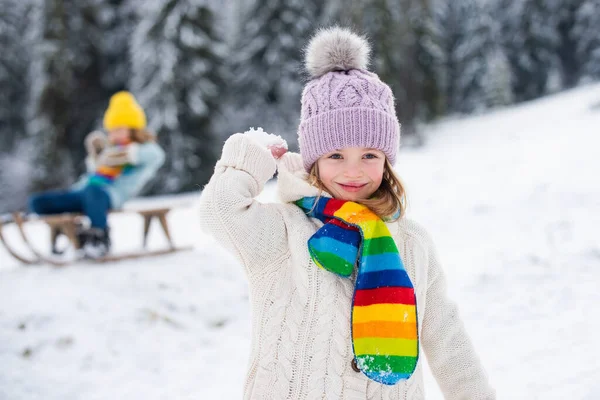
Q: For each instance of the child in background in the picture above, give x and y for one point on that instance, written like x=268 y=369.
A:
x=113 y=156
x=345 y=290
x=118 y=166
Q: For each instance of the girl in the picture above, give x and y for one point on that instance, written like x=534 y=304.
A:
x=118 y=166
x=345 y=290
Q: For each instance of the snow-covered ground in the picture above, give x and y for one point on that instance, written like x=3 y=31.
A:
x=512 y=199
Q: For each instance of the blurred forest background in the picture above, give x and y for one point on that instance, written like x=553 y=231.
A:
x=204 y=69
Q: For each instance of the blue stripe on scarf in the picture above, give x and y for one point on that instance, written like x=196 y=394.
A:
x=380 y=262
x=317 y=212
x=392 y=379
x=341 y=234
x=387 y=278
x=326 y=244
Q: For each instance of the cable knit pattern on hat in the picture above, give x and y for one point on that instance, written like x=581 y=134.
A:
x=301 y=345
x=345 y=106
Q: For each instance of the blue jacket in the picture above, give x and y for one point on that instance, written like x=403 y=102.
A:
x=150 y=157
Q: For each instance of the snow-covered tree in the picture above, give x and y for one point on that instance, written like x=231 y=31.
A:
x=176 y=65
x=266 y=62
x=13 y=72
x=469 y=46
x=430 y=59
x=566 y=20
x=530 y=38
x=586 y=35
x=52 y=82
x=14 y=165
x=117 y=20
x=68 y=85
x=420 y=95
x=89 y=32
x=497 y=80
x=406 y=55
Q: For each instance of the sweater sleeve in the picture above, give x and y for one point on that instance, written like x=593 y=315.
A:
x=253 y=231
x=449 y=350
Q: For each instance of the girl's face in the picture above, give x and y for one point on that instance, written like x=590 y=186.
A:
x=119 y=135
x=353 y=173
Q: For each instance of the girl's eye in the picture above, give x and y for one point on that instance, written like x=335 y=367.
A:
x=370 y=156
x=335 y=156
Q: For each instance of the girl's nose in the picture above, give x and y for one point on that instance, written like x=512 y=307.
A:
x=353 y=171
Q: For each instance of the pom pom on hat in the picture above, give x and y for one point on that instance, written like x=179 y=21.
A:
x=124 y=111
x=336 y=49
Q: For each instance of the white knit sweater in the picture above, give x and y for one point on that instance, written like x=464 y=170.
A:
x=301 y=339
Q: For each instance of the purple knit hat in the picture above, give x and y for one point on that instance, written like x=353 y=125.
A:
x=344 y=105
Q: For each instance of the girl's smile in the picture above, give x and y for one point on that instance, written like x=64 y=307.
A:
x=352 y=187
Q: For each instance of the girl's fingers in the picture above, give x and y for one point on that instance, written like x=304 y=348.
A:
x=277 y=150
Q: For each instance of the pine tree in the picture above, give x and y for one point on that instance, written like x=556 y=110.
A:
x=13 y=73
x=469 y=46
x=100 y=33
x=14 y=170
x=586 y=35
x=52 y=80
x=570 y=70
x=430 y=59
x=67 y=75
x=267 y=63
x=422 y=64
x=497 y=80
x=119 y=19
x=529 y=38
x=89 y=31
x=406 y=55
x=176 y=65
x=394 y=56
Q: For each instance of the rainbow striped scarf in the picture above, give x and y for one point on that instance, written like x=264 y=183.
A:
x=384 y=312
x=106 y=175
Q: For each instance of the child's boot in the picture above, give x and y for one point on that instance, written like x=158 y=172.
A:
x=97 y=243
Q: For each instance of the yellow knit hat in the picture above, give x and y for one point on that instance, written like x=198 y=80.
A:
x=124 y=111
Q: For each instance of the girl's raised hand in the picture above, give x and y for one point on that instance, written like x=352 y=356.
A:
x=276 y=144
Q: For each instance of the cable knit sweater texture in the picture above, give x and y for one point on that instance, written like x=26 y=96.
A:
x=301 y=340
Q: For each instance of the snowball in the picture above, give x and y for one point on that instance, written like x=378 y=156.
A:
x=266 y=139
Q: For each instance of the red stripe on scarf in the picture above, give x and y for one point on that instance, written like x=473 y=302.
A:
x=389 y=295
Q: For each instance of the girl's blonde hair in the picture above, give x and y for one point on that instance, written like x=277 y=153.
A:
x=389 y=200
x=142 y=136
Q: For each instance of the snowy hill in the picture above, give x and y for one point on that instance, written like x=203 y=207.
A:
x=511 y=198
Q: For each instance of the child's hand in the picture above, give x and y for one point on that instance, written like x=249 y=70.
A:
x=276 y=144
x=119 y=155
x=95 y=142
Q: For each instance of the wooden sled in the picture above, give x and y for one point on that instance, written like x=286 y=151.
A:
x=67 y=224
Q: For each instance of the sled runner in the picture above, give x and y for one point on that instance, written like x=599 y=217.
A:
x=67 y=224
